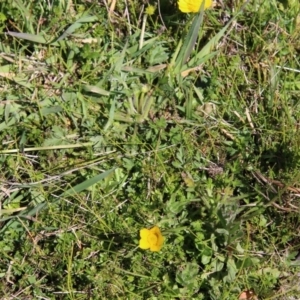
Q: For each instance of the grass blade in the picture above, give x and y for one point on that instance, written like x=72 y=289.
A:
x=70 y=192
x=190 y=40
x=76 y=25
x=28 y=36
x=87 y=183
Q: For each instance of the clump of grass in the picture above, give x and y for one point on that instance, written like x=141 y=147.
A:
x=110 y=125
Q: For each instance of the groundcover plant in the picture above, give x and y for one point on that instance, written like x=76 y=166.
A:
x=149 y=150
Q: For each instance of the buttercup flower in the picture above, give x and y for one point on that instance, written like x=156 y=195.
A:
x=151 y=239
x=150 y=10
x=188 y=6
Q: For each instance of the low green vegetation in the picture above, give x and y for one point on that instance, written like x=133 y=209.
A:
x=116 y=117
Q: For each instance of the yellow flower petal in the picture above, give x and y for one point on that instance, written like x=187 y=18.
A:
x=144 y=244
x=155 y=230
x=144 y=233
x=155 y=248
x=187 y=6
x=151 y=238
x=150 y=10
x=160 y=241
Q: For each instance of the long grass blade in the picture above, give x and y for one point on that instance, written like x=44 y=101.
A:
x=190 y=40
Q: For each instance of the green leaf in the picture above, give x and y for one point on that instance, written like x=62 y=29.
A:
x=87 y=183
x=70 y=192
x=189 y=41
x=77 y=25
x=69 y=31
x=28 y=36
x=95 y=89
x=206 y=256
x=232 y=270
x=51 y=110
x=206 y=52
x=187 y=275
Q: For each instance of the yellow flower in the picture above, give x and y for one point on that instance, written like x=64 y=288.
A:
x=150 y=10
x=151 y=238
x=188 y=6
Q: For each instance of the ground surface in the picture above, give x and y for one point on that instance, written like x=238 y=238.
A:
x=112 y=120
